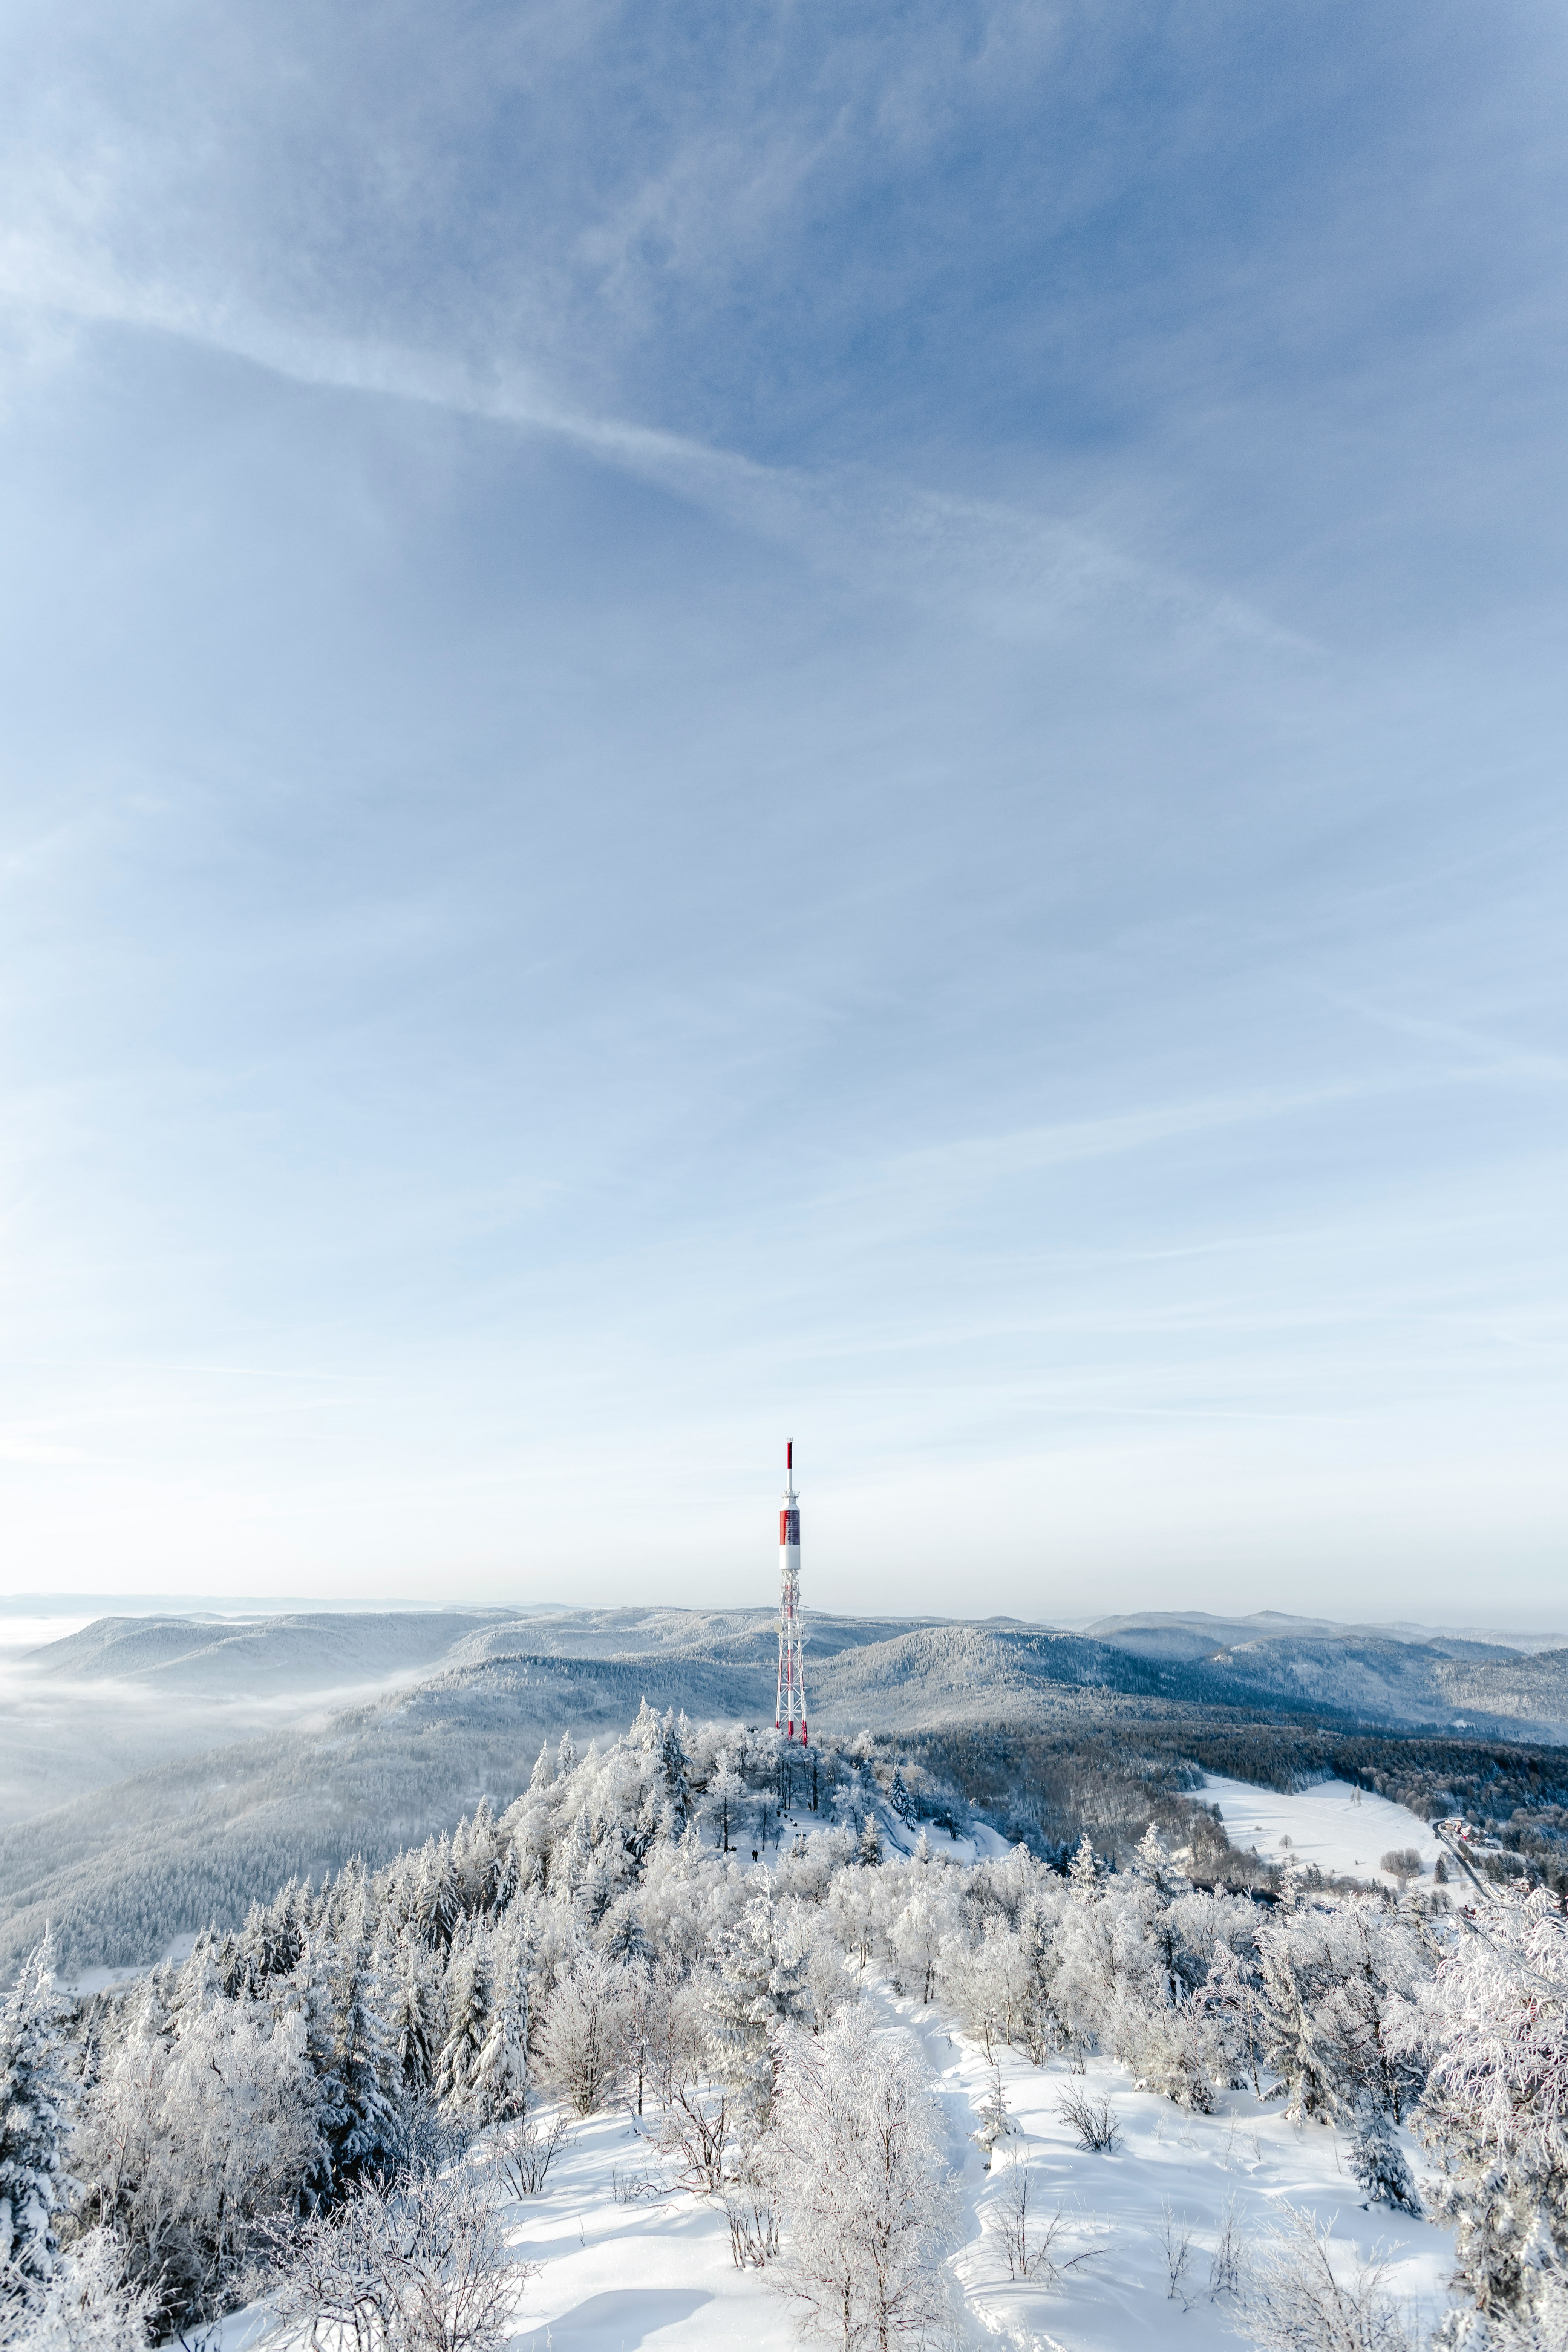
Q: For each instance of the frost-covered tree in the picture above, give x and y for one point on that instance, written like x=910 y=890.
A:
x=201 y=2126
x=916 y=1937
x=584 y=2035
x=1083 y=1872
x=1334 y=1983
x=726 y=1795
x=759 y=1986
x=1296 y=2296
x=418 y=2266
x=1493 y=2025
x=358 y=2082
x=471 y=2004
x=1290 y=2026
x=415 y=2024
x=1378 y=2162
x=35 y=2106
x=498 y=2084
x=85 y=2305
x=674 y=1765
x=860 y=2182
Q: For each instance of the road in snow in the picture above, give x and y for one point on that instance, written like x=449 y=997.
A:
x=1344 y=1830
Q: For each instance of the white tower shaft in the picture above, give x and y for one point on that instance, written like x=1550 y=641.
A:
x=792 y=1670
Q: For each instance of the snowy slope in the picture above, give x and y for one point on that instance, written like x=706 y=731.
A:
x=1344 y=1830
x=657 y=2272
x=1245 y=2156
x=301 y=1652
x=84 y=1706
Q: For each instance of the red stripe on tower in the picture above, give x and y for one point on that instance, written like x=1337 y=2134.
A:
x=792 y=1670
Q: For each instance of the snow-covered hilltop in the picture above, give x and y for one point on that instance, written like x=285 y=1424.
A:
x=164 y=1773
x=705 y=2037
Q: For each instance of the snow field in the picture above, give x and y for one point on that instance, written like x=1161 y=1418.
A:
x=1325 y=1824
x=654 y=2272
x=618 y=2277
x=1245 y=2157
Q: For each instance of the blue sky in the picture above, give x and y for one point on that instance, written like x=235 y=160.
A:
x=817 y=723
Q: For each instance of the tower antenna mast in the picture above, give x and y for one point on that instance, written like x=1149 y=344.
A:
x=792 y=1670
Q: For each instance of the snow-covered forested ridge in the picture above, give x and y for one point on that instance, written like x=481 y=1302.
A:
x=1047 y=1733
x=598 y=1946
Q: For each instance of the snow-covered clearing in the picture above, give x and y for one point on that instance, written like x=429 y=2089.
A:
x=658 y=2272
x=1345 y=1831
x=655 y=2271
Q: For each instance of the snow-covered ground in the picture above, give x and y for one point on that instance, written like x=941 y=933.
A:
x=658 y=2272
x=1344 y=1830
x=630 y=2274
x=627 y=2265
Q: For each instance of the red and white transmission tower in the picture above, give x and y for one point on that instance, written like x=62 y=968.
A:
x=792 y=1673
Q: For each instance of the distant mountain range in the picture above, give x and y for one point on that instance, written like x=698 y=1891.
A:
x=450 y=1704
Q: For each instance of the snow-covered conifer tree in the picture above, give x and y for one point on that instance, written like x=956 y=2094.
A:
x=471 y=2004
x=758 y=1988
x=34 y=2104
x=415 y=2028
x=437 y=1907
x=1378 y=2163
x=1494 y=2024
x=1083 y=1872
x=995 y=2123
x=622 y=1935
x=499 y=2089
x=674 y=1765
x=363 y=2060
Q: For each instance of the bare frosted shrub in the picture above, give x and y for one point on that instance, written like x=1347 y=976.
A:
x=1294 y=2299
x=421 y=2267
x=1032 y=2238
x=1226 y=2260
x=1176 y=2245
x=695 y=2133
x=84 y=2305
x=1093 y=2120
x=525 y=2151
x=753 y=2225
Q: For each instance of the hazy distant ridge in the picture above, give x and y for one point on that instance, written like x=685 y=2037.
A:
x=167 y=1849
